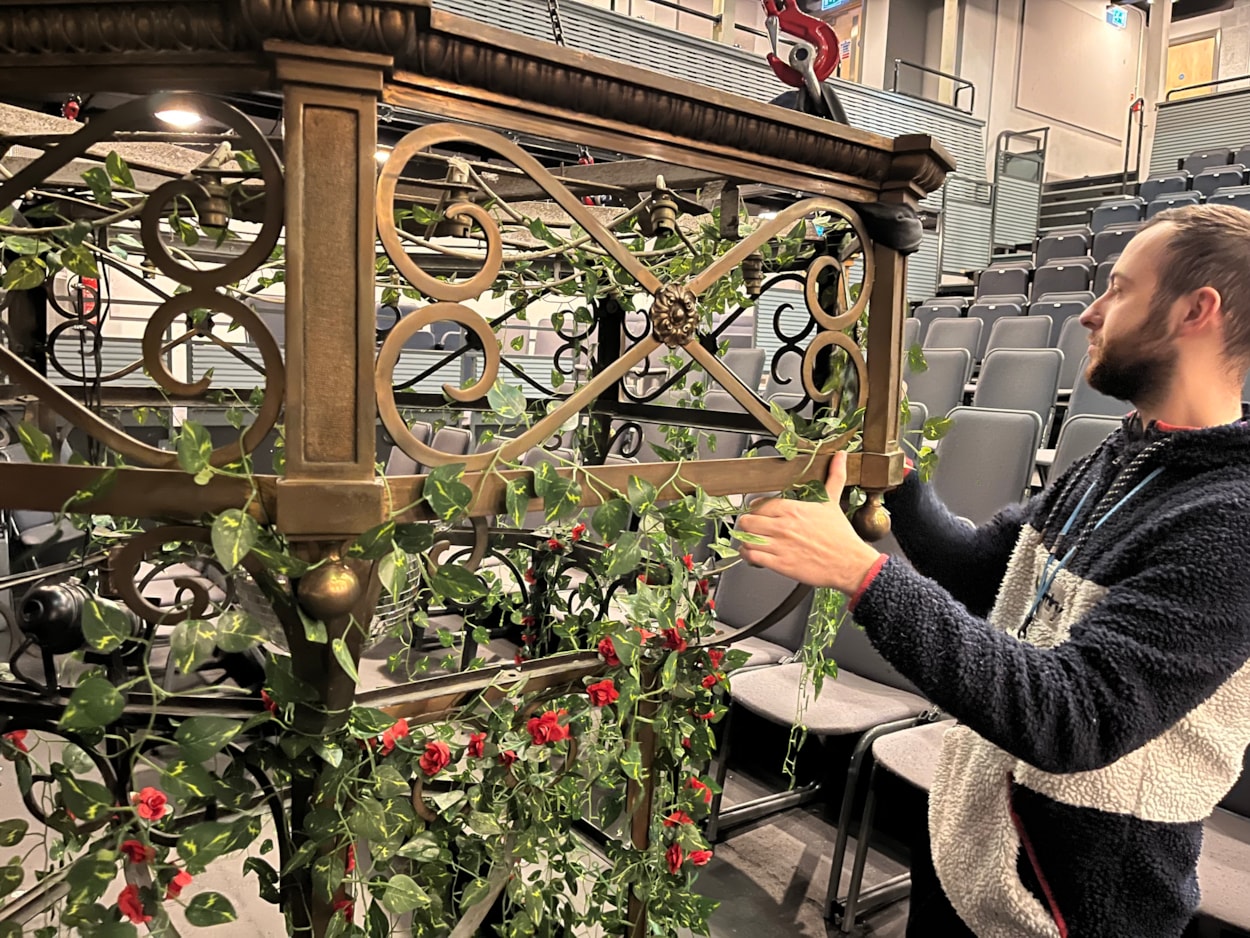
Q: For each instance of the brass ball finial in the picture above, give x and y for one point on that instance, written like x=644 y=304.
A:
x=329 y=591
x=871 y=521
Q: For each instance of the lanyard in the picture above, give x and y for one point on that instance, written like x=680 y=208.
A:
x=1052 y=568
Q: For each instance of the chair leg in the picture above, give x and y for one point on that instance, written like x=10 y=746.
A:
x=861 y=854
x=863 y=751
x=720 y=769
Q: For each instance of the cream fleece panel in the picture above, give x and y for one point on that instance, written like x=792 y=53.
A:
x=975 y=844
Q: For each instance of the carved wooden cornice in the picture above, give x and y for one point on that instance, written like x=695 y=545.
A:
x=63 y=43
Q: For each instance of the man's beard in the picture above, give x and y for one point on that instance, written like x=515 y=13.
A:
x=1137 y=369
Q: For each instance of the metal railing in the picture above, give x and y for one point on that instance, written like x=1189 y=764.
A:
x=1206 y=84
x=1138 y=107
x=960 y=85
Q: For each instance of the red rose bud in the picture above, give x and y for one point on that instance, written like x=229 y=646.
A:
x=137 y=852
x=577 y=532
x=531 y=576
x=603 y=693
x=131 y=906
x=527 y=638
x=347 y=907
x=709 y=681
x=555 y=545
x=507 y=757
x=181 y=880
x=477 y=745
x=642 y=578
x=17 y=739
x=517 y=659
x=270 y=704
x=688 y=560
x=436 y=757
x=685 y=742
x=349 y=866
x=546 y=728
x=678 y=818
x=716 y=656
x=527 y=621
x=702 y=587
x=710 y=715
x=675 y=857
x=700 y=857
x=608 y=651
x=673 y=640
x=151 y=804
x=701 y=790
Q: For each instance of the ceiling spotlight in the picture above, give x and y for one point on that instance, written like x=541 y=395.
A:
x=180 y=117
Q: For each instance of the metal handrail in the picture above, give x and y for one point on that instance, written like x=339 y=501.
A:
x=1040 y=136
x=713 y=17
x=1205 y=84
x=1138 y=107
x=961 y=84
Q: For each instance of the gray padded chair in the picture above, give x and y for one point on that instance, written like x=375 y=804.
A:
x=747 y=364
x=1085 y=400
x=1219 y=177
x=1073 y=341
x=985 y=460
x=913 y=433
x=997 y=281
x=1172 y=200
x=956 y=333
x=1199 y=160
x=1061 y=277
x=1102 y=278
x=1236 y=196
x=1031 y=331
x=746 y=594
x=452 y=441
x=1059 y=312
x=911 y=332
x=399 y=463
x=1020 y=379
x=925 y=315
x=940 y=386
x=990 y=314
x=1164 y=184
x=1054 y=246
x=1084 y=297
x=1111 y=241
x=1079 y=436
x=1119 y=212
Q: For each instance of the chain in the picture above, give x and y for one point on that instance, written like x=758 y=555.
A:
x=557 y=33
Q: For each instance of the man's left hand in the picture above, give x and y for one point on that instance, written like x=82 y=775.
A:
x=812 y=542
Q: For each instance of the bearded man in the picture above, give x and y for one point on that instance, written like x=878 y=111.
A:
x=1093 y=643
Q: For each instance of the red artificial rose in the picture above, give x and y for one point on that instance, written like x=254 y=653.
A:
x=17 y=739
x=394 y=735
x=709 y=681
x=676 y=818
x=527 y=639
x=702 y=587
x=688 y=560
x=347 y=907
x=529 y=620
x=700 y=857
x=710 y=715
x=349 y=865
x=531 y=576
x=477 y=745
x=703 y=790
x=673 y=639
x=603 y=693
x=711 y=604
x=131 y=906
x=642 y=578
x=608 y=651
x=151 y=804
x=517 y=659
x=270 y=704
x=685 y=742
x=507 y=757
x=715 y=656
x=577 y=532
x=555 y=545
x=547 y=728
x=644 y=634
x=181 y=880
x=436 y=757
x=675 y=857
x=137 y=852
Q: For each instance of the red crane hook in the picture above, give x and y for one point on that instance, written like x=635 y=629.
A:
x=794 y=22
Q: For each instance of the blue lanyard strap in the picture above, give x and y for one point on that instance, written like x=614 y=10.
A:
x=1049 y=572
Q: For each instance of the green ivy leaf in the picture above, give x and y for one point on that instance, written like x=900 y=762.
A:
x=237 y=631
x=314 y=629
x=936 y=427
x=414 y=538
x=104 y=625
x=507 y=401
x=562 y=498
x=474 y=893
x=210 y=908
x=457 y=584
x=79 y=260
x=344 y=658
x=24 y=273
x=186 y=781
x=195 y=447
x=280 y=562
x=446 y=495
x=191 y=644
x=642 y=495
x=35 y=442
x=101 y=185
x=423 y=848
x=377 y=925
x=23 y=244
x=283 y=685
x=118 y=171
x=626 y=554
x=94 y=704
x=11 y=875
x=88 y=800
x=328 y=871
x=268 y=877
x=631 y=762
x=393 y=572
x=12 y=832
x=201 y=738
x=234 y=535
x=517 y=498
x=11 y=929
x=375 y=543
x=610 y=519
x=203 y=843
x=916 y=360
x=404 y=895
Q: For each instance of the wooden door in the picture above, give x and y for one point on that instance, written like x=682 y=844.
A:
x=1191 y=62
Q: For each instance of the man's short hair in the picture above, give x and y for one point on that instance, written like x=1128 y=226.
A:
x=1209 y=246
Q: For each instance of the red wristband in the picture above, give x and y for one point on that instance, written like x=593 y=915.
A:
x=868 y=578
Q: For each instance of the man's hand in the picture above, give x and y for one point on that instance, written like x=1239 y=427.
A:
x=811 y=542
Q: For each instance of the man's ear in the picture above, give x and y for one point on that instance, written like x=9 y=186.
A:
x=1203 y=309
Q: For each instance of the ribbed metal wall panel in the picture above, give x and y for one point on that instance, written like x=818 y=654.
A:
x=1016 y=200
x=1221 y=120
x=627 y=39
x=228 y=371
x=115 y=354
x=922 y=268
x=966 y=224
